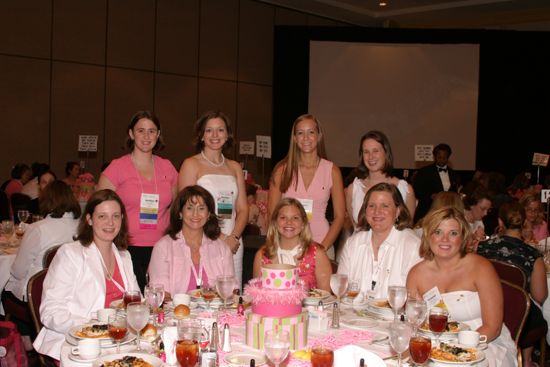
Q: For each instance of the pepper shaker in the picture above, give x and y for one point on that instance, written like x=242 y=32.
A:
x=335 y=317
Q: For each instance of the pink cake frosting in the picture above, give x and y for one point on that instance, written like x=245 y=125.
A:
x=279 y=276
x=274 y=302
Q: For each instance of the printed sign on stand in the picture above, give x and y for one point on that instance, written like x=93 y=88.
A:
x=87 y=143
x=423 y=153
x=540 y=159
x=263 y=146
x=246 y=148
x=544 y=195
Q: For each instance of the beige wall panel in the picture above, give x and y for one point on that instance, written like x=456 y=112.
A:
x=219 y=39
x=256 y=42
x=77 y=109
x=128 y=91
x=131 y=30
x=218 y=95
x=25 y=88
x=25 y=27
x=176 y=106
x=255 y=116
x=178 y=36
x=289 y=17
x=79 y=31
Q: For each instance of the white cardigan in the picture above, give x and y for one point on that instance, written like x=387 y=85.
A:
x=74 y=288
x=396 y=256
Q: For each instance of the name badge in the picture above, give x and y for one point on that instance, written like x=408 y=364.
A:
x=149 y=211
x=432 y=297
x=224 y=204
x=308 y=207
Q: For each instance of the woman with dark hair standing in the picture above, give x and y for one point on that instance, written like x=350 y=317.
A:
x=61 y=211
x=222 y=177
x=191 y=253
x=146 y=184
x=87 y=274
x=306 y=175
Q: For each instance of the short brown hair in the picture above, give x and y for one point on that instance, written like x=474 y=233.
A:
x=85 y=234
x=57 y=199
x=404 y=219
x=433 y=219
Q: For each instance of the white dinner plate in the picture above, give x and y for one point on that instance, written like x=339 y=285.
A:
x=380 y=308
x=315 y=295
x=105 y=343
x=215 y=303
x=360 y=323
x=480 y=356
x=74 y=330
x=238 y=359
x=314 y=302
x=447 y=334
x=156 y=362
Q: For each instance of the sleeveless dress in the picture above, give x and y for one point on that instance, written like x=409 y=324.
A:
x=318 y=192
x=306 y=266
x=464 y=307
x=358 y=195
x=225 y=192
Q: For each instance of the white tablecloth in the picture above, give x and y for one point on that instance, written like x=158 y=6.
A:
x=7 y=257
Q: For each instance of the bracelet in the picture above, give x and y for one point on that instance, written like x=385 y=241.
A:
x=235 y=236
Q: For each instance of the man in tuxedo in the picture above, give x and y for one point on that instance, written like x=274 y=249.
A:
x=434 y=178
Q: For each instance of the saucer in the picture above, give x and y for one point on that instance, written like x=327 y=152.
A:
x=77 y=358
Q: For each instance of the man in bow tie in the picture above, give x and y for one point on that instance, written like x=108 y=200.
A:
x=434 y=178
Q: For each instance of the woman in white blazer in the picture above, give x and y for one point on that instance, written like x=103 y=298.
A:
x=88 y=274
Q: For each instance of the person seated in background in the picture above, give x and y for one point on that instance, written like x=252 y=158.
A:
x=289 y=241
x=477 y=203
x=31 y=187
x=191 y=253
x=87 y=274
x=20 y=175
x=61 y=212
x=509 y=247
x=72 y=171
x=442 y=199
x=535 y=227
x=44 y=178
x=383 y=248
x=466 y=283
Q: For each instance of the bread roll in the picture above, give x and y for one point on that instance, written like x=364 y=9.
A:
x=149 y=332
x=181 y=311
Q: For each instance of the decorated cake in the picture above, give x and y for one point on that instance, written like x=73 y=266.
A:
x=276 y=302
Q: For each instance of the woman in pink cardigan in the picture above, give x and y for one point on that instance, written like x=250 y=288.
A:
x=191 y=253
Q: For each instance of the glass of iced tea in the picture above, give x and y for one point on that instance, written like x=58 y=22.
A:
x=419 y=349
x=353 y=289
x=131 y=296
x=208 y=293
x=187 y=352
x=437 y=320
x=322 y=357
x=117 y=329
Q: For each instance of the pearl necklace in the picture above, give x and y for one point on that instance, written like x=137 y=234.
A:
x=212 y=163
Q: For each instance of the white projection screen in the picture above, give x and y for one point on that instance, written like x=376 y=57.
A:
x=417 y=94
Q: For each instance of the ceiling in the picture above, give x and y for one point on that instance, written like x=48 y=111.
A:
x=528 y=14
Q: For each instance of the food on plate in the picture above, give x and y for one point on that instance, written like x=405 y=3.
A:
x=181 y=311
x=315 y=293
x=452 y=327
x=382 y=303
x=149 y=332
x=127 y=361
x=93 y=331
x=198 y=294
x=453 y=353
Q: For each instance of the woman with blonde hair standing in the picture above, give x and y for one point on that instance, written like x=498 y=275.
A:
x=306 y=175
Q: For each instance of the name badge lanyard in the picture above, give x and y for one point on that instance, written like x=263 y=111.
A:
x=149 y=220
x=198 y=278
x=109 y=276
x=377 y=265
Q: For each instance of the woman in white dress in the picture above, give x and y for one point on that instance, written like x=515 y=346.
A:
x=222 y=177
x=467 y=283
x=375 y=166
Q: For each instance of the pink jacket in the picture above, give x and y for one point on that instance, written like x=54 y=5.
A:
x=171 y=262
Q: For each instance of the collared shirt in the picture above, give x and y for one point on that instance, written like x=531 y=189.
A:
x=444 y=175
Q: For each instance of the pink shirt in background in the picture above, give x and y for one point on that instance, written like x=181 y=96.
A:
x=128 y=184
x=540 y=231
x=13 y=187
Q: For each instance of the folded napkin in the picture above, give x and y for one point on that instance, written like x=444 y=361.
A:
x=350 y=355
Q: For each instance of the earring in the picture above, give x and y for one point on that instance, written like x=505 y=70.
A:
x=181 y=217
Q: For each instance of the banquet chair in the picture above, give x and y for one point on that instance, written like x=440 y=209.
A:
x=34 y=297
x=4 y=206
x=49 y=255
x=516 y=307
x=510 y=272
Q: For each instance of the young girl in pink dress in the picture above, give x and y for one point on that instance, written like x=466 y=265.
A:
x=289 y=242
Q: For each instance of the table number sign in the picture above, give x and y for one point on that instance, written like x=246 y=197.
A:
x=423 y=153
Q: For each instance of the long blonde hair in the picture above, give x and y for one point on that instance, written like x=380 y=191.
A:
x=273 y=239
x=292 y=160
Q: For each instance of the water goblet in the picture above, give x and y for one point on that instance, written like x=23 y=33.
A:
x=419 y=349
x=117 y=329
x=397 y=296
x=137 y=315
x=400 y=335
x=437 y=319
x=23 y=215
x=224 y=286
x=151 y=297
x=416 y=310
x=276 y=345
x=339 y=285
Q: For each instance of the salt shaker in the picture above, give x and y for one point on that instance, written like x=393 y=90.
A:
x=335 y=317
x=214 y=337
x=226 y=347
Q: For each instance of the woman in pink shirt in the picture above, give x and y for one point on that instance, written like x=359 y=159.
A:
x=146 y=183
x=192 y=252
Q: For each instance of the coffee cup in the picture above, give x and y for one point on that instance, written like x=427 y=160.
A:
x=471 y=338
x=181 y=299
x=87 y=348
x=104 y=313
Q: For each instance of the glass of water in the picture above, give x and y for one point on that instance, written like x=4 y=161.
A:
x=276 y=345
x=416 y=311
x=397 y=296
x=400 y=335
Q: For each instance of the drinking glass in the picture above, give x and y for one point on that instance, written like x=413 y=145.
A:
x=400 y=335
x=8 y=228
x=437 y=320
x=339 y=285
x=416 y=310
x=150 y=297
x=397 y=296
x=419 y=349
x=20 y=230
x=191 y=334
x=353 y=289
x=23 y=215
x=131 y=296
x=224 y=285
x=276 y=345
x=117 y=329
x=322 y=357
x=137 y=315
x=159 y=293
x=208 y=294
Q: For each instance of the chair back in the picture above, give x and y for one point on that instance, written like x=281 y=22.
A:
x=510 y=272
x=34 y=297
x=48 y=256
x=516 y=307
x=4 y=206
